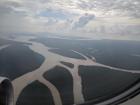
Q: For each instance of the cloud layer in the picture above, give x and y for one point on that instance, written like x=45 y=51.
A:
x=86 y=17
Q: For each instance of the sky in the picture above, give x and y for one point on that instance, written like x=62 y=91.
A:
x=87 y=18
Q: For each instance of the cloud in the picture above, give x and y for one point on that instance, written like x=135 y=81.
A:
x=69 y=16
x=83 y=20
x=15 y=20
x=112 y=7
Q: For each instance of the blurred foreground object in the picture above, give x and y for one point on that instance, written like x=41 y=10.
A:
x=6 y=92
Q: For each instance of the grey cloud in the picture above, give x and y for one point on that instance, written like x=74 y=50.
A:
x=83 y=20
x=117 y=29
x=9 y=7
x=122 y=7
x=12 y=20
x=44 y=1
x=4 y=10
x=25 y=15
x=12 y=3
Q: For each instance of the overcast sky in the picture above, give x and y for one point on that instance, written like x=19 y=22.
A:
x=103 y=18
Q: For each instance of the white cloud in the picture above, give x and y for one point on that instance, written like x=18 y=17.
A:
x=68 y=16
